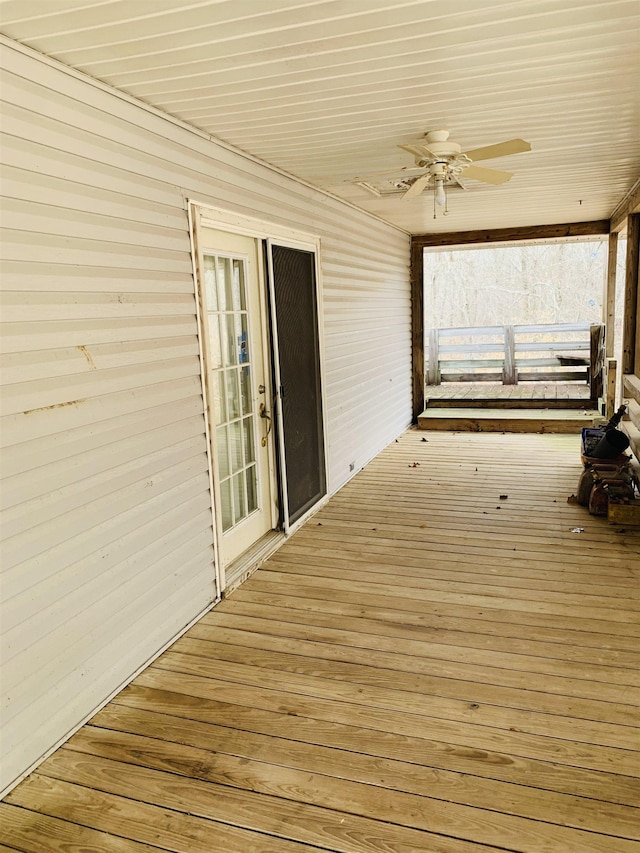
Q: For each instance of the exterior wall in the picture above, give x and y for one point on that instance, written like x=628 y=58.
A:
x=107 y=523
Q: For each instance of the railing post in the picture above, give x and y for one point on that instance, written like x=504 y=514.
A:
x=509 y=373
x=612 y=381
x=433 y=373
x=596 y=360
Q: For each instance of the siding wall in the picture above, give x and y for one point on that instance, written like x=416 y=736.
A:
x=106 y=520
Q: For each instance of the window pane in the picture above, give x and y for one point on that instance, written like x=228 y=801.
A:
x=225 y=302
x=235 y=445
x=214 y=340
x=245 y=389
x=222 y=439
x=219 y=398
x=249 y=449
x=211 y=291
x=233 y=394
x=239 y=299
x=227 y=504
x=229 y=346
x=239 y=497
x=242 y=336
x=252 y=489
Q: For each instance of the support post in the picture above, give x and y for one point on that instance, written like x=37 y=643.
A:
x=596 y=360
x=630 y=349
x=609 y=302
x=612 y=378
x=433 y=373
x=417 y=328
x=509 y=373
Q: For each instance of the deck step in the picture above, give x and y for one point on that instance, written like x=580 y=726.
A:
x=506 y=403
x=508 y=420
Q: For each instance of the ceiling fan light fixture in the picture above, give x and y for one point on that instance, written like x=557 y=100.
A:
x=441 y=196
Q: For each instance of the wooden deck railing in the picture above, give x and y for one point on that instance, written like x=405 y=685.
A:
x=559 y=352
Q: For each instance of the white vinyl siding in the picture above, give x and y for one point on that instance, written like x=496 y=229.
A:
x=106 y=520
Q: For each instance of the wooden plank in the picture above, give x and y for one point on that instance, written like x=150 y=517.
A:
x=629 y=204
x=417 y=329
x=490 y=670
x=556 y=346
x=421 y=666
x=142 y=823
x=537 y=328
x=611 y=387
x=631 y=387
x=501 y=235
x=433 y=371
x=475 y=330
x=342 y=682
x=314 y=727
x=609 y=301
x=631 y=291
x=510 y=374
x=124 y=775
x=596 y=360
x=33 y=832
x=505 y=420
x=122 y=729
x=486 y=739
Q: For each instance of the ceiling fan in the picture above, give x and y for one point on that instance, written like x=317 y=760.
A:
x=444 y=163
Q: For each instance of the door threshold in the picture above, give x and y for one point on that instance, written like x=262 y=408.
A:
x=246 y=564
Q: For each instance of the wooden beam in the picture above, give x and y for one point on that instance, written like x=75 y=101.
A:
x=509 y=374
x=630 y=350
x=433 y=376
x=629 y=204
x=596 y=360
x=417 y=329
x=504 y=235
x=609 y=302
x=631 y=389
x=612 y=381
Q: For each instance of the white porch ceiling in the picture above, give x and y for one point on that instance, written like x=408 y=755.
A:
x=327 y=89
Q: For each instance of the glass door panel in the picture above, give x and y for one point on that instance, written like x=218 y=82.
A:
x=238 y=381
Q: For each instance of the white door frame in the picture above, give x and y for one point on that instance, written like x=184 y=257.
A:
x=203 y=215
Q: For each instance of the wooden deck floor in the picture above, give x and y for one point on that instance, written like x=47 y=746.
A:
x=425 y=666
x=523 y=391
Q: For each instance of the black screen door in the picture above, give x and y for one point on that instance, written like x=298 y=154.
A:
x=297 y=357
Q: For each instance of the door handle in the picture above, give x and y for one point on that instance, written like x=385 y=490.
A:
x=264 y=414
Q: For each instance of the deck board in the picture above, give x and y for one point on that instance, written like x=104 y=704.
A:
x=523 y=391
x=424 y=666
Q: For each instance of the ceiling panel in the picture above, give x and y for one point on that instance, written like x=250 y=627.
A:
x=328 y=89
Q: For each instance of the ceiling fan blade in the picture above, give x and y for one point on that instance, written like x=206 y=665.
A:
x=420 y=151
x=457 y=181
x=500 y=149
x=489 y=176
x=417 y=186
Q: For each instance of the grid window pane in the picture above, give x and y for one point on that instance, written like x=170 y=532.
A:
x=249 y=445
x=239 y=297
x=238 y=490
x=252 y=489
x=227 y=505
x=215 y=346
x=230 y=348
x=222 y=439
x=232 y=392
x=245 y=389
x=220 y=398
x=210 y=283
x=235 y=445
